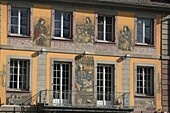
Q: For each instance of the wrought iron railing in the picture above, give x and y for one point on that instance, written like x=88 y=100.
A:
x=80 y=99
x=37 y=98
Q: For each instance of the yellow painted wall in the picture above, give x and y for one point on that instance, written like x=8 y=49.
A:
x=158 y=35
x=157 y=63
x=4 y=54
x=42 y=11
x=4 y=23
x=81 y=16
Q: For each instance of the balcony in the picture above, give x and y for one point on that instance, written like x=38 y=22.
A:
x=81 y=101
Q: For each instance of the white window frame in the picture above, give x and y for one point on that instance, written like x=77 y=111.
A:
x=104 y=29
x=104 y=101
x=151 y=91
x=152 y=32
x=60 y=100
x=19 y=21
x=18 y=74
x=62 y=31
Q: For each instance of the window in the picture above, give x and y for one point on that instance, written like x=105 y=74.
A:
x=105 y=28
x=104 y=84
x=19 y=74
x=145 y=80
x=145 y=31
x=62 y=25
x=61 y=82
x=20 y=21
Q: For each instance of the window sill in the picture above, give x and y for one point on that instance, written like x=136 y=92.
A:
x=143 y=96
x=105 y=42
x=17 y=91
x=19 y=36
x=146 y=45
x=62 y=39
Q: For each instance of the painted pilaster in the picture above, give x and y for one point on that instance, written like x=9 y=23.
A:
x=126 y=80
x=41 y=72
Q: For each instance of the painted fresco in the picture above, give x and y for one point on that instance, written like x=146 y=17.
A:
x=125 y=39
x=2 y=76
x=144 y=104
x=42 y=33
x=84 y=79
x=85 y=28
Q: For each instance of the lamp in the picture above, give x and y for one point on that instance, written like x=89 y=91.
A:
x=125 y=56
x=42 y=50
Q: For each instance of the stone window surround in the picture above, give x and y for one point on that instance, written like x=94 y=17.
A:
x=30 y=72
x=72 y=22
x=154 y=76
x=114 y=25
x=146 y=15
x=20 y=5
x=96 y=62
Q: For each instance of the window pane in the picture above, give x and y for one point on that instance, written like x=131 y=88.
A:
x=24 y=21
x=57 y=16
x=109 y=28
x=14 y=20
x=57 y=32
x=14 y=11
x=100 y=36
x=140 y=31
x=57 y=24
x=100 y=28
x=66 y=33
x=66 y=25
x=148 y=35
x=100 y=20
x=108 y=20
x=140 y=38
x=24 y=12
x=108 y=36
x=66 y=16
x=24 y=30
x=148 y=22
x=14 y=29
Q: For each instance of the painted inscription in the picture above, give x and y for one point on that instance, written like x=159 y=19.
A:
x=125 y=39
x=42 y=34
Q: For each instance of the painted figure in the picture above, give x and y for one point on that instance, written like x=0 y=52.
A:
x=85 y=32
x=84 y=79
x=41 y=34
x=125 y=39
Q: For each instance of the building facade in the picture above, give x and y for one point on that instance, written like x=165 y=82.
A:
x=83 y=54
